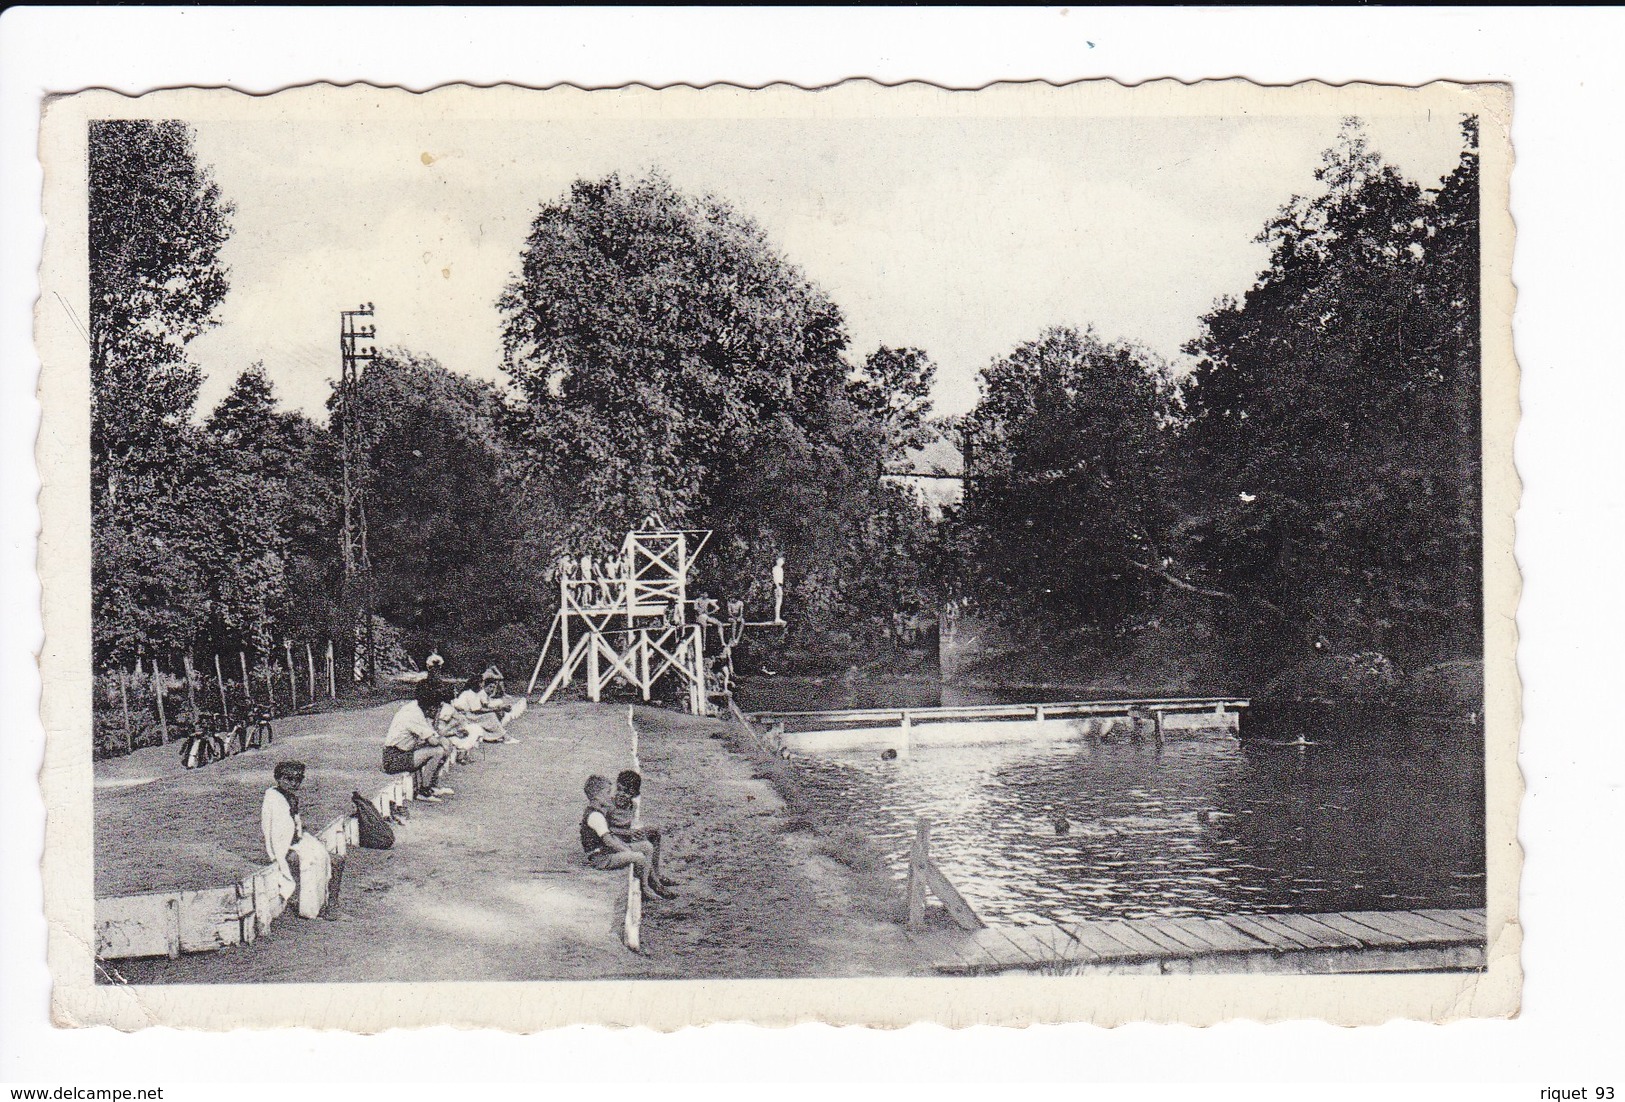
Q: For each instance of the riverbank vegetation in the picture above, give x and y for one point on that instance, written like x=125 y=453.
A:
x=1306 y=485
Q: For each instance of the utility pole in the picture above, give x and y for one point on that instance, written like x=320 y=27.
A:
x=357 y=595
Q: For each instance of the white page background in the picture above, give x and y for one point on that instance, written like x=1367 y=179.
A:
x=1566 y=189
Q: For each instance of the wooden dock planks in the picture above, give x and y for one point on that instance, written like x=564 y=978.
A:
x=1383 y=941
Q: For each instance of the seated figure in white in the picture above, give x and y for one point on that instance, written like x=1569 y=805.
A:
x=483 y=705
x=302 y=861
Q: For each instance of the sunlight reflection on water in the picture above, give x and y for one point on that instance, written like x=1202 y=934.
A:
x=1197 y=827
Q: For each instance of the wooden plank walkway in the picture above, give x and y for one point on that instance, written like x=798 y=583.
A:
x=1282 y=944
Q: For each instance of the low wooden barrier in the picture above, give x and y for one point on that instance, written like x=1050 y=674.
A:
x=902 y=728
x=171 y=923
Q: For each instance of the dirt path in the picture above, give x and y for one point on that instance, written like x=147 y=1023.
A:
x=490 y=885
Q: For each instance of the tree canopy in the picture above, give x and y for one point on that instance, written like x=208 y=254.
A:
x=1334 y=427
x=1070 y=461
x=672 y=362
x=157 y=223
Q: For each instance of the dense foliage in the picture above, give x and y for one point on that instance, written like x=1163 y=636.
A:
x=672 y=362
x=1072 y=492
x=1314 y=482
x=1333 y=444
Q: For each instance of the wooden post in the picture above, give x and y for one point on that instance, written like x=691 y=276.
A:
x=564 y=642
x=643 y=662
x=191 y=693
x=633 y=926
x=158 y=695
x=1157 y=713
x=310 y=667
x=593 y=685
x=332 y=682
x=918 y=858
x=699 y=698
x=248 y=692
x=124 y=702
x=172 y=926
x=293 y=679
x=220 y=680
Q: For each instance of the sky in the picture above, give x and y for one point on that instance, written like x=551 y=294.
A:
x=962 y=237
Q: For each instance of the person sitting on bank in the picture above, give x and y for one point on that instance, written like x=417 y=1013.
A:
x=461 y=735
x=414 y=745
x=483 y=706
x=623 y=821
x=605 y=851
x=302 y=862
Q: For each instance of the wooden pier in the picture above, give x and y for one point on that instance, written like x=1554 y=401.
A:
x=899 y=728
x=1268 y=944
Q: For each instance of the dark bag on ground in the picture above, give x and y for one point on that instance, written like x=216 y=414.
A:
x=374 y=832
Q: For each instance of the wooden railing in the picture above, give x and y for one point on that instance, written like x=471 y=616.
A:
x=1057 y=710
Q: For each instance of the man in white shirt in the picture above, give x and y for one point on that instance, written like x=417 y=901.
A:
x=414 y=745
x=302 y=862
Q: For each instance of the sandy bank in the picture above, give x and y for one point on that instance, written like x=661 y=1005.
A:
x=491 y=885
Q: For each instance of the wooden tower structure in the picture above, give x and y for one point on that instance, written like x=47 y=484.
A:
x=631 y=618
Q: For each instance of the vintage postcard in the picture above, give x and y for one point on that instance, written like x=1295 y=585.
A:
x=864 y=555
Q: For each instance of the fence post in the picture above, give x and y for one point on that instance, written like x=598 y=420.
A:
x=158 y=695
x=124 y=702
x=293 y=679
x=220 y=680
x=191 y=693
x=332 y=682
x=919 y=858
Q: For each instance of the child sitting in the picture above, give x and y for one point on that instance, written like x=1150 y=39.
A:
x=623 y=819
x=606 y=850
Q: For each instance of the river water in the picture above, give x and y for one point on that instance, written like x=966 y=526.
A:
x=1068 y=830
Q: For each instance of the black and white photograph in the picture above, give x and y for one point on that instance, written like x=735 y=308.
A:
x=1044 y=533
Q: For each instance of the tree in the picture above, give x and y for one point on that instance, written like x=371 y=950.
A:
x=672 y=362
x=893 y=387
x=266 y=493
x=157 y=223
x=1065 y=517
x=446 y=527
x=1334 y=414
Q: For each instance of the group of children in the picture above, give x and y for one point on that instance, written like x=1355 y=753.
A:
x=612 y=837
x=441 y=726
x=594 y=582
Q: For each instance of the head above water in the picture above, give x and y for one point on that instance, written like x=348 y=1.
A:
x=597 y=787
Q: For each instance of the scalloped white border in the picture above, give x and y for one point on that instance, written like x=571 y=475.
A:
x=66 y=777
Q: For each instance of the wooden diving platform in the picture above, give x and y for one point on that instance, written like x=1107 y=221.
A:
x=1265 y=944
